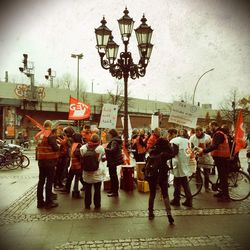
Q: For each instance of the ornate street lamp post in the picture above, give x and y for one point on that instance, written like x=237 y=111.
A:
x=124 y=67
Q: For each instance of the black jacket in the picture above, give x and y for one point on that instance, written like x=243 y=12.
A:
x=114 y=152
x=163 y=147
x=167 y=151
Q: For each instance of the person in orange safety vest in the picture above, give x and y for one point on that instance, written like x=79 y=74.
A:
x=220 y=152
x=46 y=152
x=75 y=166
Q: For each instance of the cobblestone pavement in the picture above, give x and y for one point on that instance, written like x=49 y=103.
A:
x=22 y=211
x=220 y=242
x=16 y=211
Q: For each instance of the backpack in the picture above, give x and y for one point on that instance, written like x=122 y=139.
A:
x=153 y=163
x=89 y=161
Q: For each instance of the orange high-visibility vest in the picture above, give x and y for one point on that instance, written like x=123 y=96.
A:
x=223 y=149
x=44 y=150
x=75 y=162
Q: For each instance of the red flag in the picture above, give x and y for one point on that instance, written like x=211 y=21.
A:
x=35 y=122
x=239 y=138
x=78 y=110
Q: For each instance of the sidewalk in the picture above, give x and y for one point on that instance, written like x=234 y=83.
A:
x=121 y=223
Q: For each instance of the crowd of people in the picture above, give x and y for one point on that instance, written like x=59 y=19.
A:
x=64 y=155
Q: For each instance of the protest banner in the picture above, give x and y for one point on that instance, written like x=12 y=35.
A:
x=129 y=126
x=154 y=121
x=184 y=114
x=108 y=116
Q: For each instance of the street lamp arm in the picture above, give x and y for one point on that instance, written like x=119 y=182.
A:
x=198 y=83
x=124 y=64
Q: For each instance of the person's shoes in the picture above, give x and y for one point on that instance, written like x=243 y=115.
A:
x=87 y=207
x=218 y=195
x=97 y=207
x=207 y=190
x=151 y=215
x=51 y=205
x=175 y=203
x=170 y=219
x=113 y=195
x=109 y=192
x=53 y=196
x=224 y=199
x=187 y=203
x=40 y=204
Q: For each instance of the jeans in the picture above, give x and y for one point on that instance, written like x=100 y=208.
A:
x=71 y=174
x=61 y=168
x=88 y=194
x=163 y=183
x=206 y=172
x=222 y=167
x=114 y=179
x=178 y=182
x=46 y=174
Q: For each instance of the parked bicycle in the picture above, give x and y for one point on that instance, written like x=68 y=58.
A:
x=11 y=157
x=238 y=181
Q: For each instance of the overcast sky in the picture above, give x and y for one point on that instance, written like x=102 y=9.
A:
x=190 y=37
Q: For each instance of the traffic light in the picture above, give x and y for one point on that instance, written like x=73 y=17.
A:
x=25 y=61
x=49 y=71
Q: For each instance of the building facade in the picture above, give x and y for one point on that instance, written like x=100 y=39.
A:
x=17 y=101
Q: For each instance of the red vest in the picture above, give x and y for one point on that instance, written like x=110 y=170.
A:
x=151 y=141
x=223 y=149
x=44 y=150
x=75 y=162
x=140 y=149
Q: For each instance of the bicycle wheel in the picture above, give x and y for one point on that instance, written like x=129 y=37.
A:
x=15 y=161
x=195 y=183
x=238 y=185
x=25 y=161
x=12 y=165
x=2 y=161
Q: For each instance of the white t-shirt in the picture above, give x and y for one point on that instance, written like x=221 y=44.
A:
x=202 y=143
x=181 y=160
